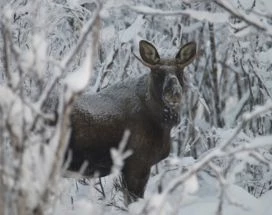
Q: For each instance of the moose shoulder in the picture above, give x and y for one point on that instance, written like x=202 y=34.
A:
x=149 y=106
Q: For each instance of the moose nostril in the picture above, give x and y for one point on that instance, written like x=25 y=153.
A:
x=177 y=93
x=173 y=81
x=172 y=99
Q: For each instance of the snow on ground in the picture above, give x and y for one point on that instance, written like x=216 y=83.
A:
x=77 y=198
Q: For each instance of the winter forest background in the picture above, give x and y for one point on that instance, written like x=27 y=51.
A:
x=221 y=158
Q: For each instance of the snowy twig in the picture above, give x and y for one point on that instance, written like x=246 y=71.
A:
x=119 y=155
x=101 y=190
x=249 y=19
x=245 y=119
x=223 y=190
x=259 y=157
x=260 y=79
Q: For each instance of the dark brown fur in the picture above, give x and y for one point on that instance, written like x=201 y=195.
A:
x=148 y=106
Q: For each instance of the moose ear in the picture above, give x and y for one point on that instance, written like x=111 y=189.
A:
x=148 y=53
x=186 y=54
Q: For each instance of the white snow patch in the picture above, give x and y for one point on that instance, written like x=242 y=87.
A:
x=78 y=80
x=107 y=34
x=205 y=200
x=130 y=33
x=191 y=185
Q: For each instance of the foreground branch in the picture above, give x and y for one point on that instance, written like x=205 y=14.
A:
x=222 y=150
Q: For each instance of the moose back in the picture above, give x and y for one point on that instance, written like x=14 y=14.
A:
x=149 y=106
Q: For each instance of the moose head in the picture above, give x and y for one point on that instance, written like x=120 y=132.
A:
x=167 y=78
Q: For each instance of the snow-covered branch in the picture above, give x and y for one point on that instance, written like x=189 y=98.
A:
x=35 y=130
x=251 y=19
x=222 y=151
x=195 y=14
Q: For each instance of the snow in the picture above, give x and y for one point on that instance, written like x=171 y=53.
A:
x=79 y=79
x=217 y=17
x=116 y=4
x=265 y=56
x=246 y=4
x=209 y=204
x=40 y=49
x=263 y=5
x=107 y=34
x=265 y=204
x=201 y=194
x=191 y=185
x=204 y=200
x=131 y=32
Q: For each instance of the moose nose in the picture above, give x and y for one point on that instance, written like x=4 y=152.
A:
x=172 y=100
x=176 y=95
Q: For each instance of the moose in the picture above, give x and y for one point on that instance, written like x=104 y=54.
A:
x=148 y=106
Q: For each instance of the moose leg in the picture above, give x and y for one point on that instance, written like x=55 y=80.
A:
x=135 y=179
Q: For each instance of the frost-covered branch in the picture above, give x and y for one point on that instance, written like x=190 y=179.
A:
x=195 y=14
x=64 y=120
x=250 y=19
x=88 y=27
x=222 y=150
x=94 y=22
x=33 y=146
x=119 y=155
x=245 y=119
x=218 y=17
